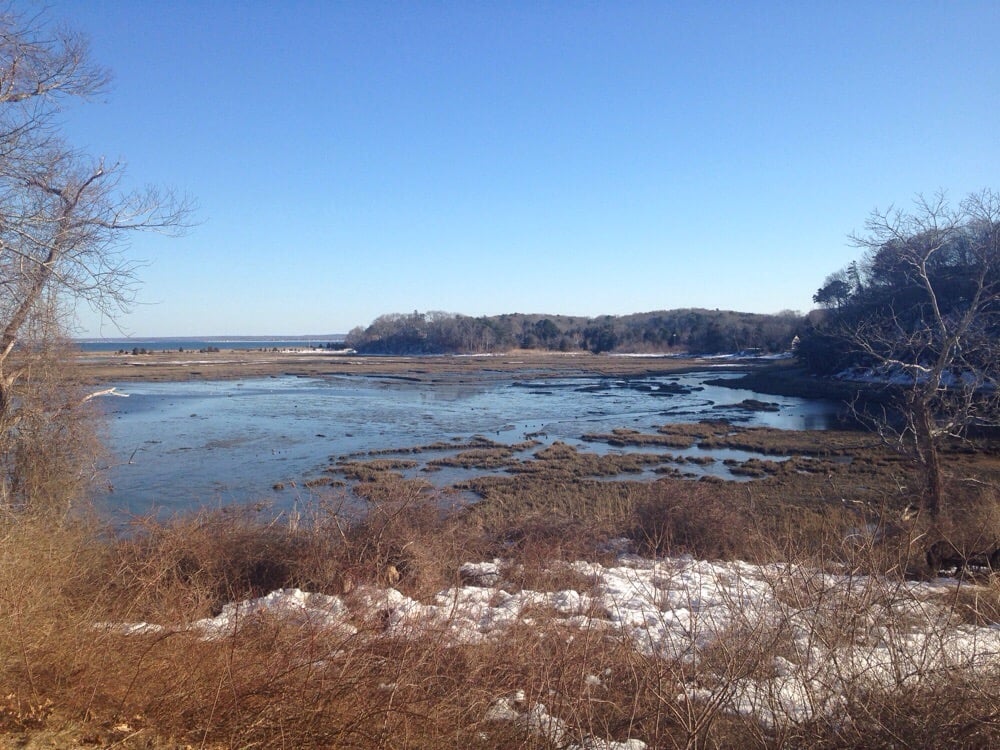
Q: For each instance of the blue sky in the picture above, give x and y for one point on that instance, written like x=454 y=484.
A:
x=356 y=158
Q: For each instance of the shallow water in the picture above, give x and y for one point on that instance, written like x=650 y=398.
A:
x=186 y=444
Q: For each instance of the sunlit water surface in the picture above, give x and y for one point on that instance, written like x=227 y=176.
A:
x=188 y=444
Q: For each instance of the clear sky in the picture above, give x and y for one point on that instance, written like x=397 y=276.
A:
x=356 y=158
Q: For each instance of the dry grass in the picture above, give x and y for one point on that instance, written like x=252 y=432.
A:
x=272 y=682
x=372 y=470
x=108 y=367
x=70 y=677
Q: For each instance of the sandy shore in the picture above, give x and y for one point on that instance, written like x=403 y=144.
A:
x=106 y=367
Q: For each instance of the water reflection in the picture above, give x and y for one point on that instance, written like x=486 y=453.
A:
x=206 y=442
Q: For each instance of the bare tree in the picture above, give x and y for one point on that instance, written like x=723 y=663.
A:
x=927 y=318
x=65 y=221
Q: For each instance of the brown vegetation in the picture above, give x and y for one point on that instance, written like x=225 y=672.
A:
x=830 y=501
x=108 y=367
x=72 y=674
x=276 y=682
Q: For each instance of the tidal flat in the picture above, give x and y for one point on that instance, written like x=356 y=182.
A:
x=524 y=432
x=246 y=436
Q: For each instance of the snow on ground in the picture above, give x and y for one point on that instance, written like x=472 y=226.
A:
x=906 y=375
x=835 y=633
x=743 y=355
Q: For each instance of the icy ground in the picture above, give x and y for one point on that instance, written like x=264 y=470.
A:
x=835 y=633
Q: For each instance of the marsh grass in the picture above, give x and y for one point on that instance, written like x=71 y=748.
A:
x=371 y=470
x=837 y=554
x=628 y=437
x=477 y=458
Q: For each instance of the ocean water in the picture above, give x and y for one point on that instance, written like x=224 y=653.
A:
x=222 y=342
x=182 y=445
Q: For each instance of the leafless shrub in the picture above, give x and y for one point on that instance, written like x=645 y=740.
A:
x=787 y=654
x=677 y=518
x=409 y=537
x=52 y=451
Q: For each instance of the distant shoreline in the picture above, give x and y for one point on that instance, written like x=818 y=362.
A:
x=188 y=343
x=235 y=337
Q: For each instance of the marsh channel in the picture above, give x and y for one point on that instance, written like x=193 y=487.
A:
x=181 y=445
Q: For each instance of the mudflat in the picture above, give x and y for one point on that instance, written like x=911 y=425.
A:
x=105 y=367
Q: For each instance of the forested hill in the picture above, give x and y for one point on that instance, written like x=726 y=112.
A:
x=689 y=330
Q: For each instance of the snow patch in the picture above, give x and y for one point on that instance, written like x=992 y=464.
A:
x=879 y=634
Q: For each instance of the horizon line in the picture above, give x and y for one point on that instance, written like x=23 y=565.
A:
x=220 y=338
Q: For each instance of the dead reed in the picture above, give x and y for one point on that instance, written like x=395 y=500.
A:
x=749 y=671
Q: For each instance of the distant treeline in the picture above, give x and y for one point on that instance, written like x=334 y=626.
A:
x=690 y=330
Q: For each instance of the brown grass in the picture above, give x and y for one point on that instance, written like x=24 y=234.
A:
x=367 y=471
x=66 y=680
x=108 y=367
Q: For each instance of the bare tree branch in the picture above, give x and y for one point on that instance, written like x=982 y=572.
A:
x=65 y=224
x=924 y=315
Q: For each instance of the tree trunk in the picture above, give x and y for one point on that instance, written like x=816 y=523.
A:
x=931 y=459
